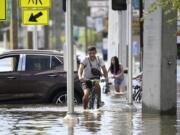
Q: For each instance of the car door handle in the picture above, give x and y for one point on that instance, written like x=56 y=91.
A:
x=52 y=75
x=11 y=77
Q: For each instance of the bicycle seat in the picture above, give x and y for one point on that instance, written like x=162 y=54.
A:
x=95 y=79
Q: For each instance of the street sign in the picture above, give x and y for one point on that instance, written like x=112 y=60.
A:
x=35 y=3
x=134 y=48
x=98 y=3
x=35 y=17
x=2 y=10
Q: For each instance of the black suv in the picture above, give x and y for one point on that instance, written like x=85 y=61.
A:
x=35 y=76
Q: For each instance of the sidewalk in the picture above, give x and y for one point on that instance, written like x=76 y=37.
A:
x=116 y=102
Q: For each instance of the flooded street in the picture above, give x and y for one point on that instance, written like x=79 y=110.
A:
x=52 y=50
x=114 y=118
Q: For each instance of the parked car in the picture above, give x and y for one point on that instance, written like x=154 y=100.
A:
x=35 y=76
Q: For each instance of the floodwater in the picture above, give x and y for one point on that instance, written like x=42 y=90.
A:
x=114 y=118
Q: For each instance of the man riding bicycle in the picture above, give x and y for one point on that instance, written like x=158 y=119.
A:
x=90 y=68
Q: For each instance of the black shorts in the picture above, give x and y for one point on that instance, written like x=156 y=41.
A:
x=86 y=85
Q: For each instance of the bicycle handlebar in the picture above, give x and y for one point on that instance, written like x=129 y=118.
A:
x=104 y=80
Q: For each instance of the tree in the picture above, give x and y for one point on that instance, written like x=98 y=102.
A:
x=80 y=11
x=168 y=5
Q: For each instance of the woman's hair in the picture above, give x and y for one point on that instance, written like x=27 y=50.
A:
x=114 y=68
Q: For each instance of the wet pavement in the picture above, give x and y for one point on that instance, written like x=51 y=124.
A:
x=114 y=118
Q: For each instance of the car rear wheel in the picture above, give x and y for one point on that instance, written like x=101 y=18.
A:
x=61 y=99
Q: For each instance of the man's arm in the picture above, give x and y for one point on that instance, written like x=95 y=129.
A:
x=103 y=67
x=80 y=72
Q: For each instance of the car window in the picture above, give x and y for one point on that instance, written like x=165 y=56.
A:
x=37 y=63
x=60 y=58
x=56 y=63
x=9 y=64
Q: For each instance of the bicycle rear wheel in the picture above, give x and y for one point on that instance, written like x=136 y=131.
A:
x=97 y=102
x=91 y=100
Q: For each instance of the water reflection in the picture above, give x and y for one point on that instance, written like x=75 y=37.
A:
x=159 y=125
x=30 y=123
x=91 y=121
x=168 y=125
x=110 y=120
x=121 y=123
x=70 y=130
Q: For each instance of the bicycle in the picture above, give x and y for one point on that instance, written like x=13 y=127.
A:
x=106 y=86
x=93 y=97
x=137 y=92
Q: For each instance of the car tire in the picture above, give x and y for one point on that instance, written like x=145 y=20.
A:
x=61 y=99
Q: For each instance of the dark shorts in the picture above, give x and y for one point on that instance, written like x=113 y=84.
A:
x=86 y=85
x=118 y=81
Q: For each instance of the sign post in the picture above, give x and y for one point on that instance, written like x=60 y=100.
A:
x=130 y=51
x=70 y=72
x=35 y=38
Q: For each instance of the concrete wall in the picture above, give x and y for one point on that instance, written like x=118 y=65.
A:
x=159 y=78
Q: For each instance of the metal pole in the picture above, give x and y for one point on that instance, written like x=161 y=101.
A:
x=120 y=35
x=86 y=28
x=129 y=52
x=30 y=39
x=86 y=37
x=141 y=33
x=5 y=39
x=70 y=66
x=46 y=36
x=14 y=26
x=35 y=38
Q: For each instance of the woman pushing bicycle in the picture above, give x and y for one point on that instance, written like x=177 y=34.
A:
x=116 y=69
